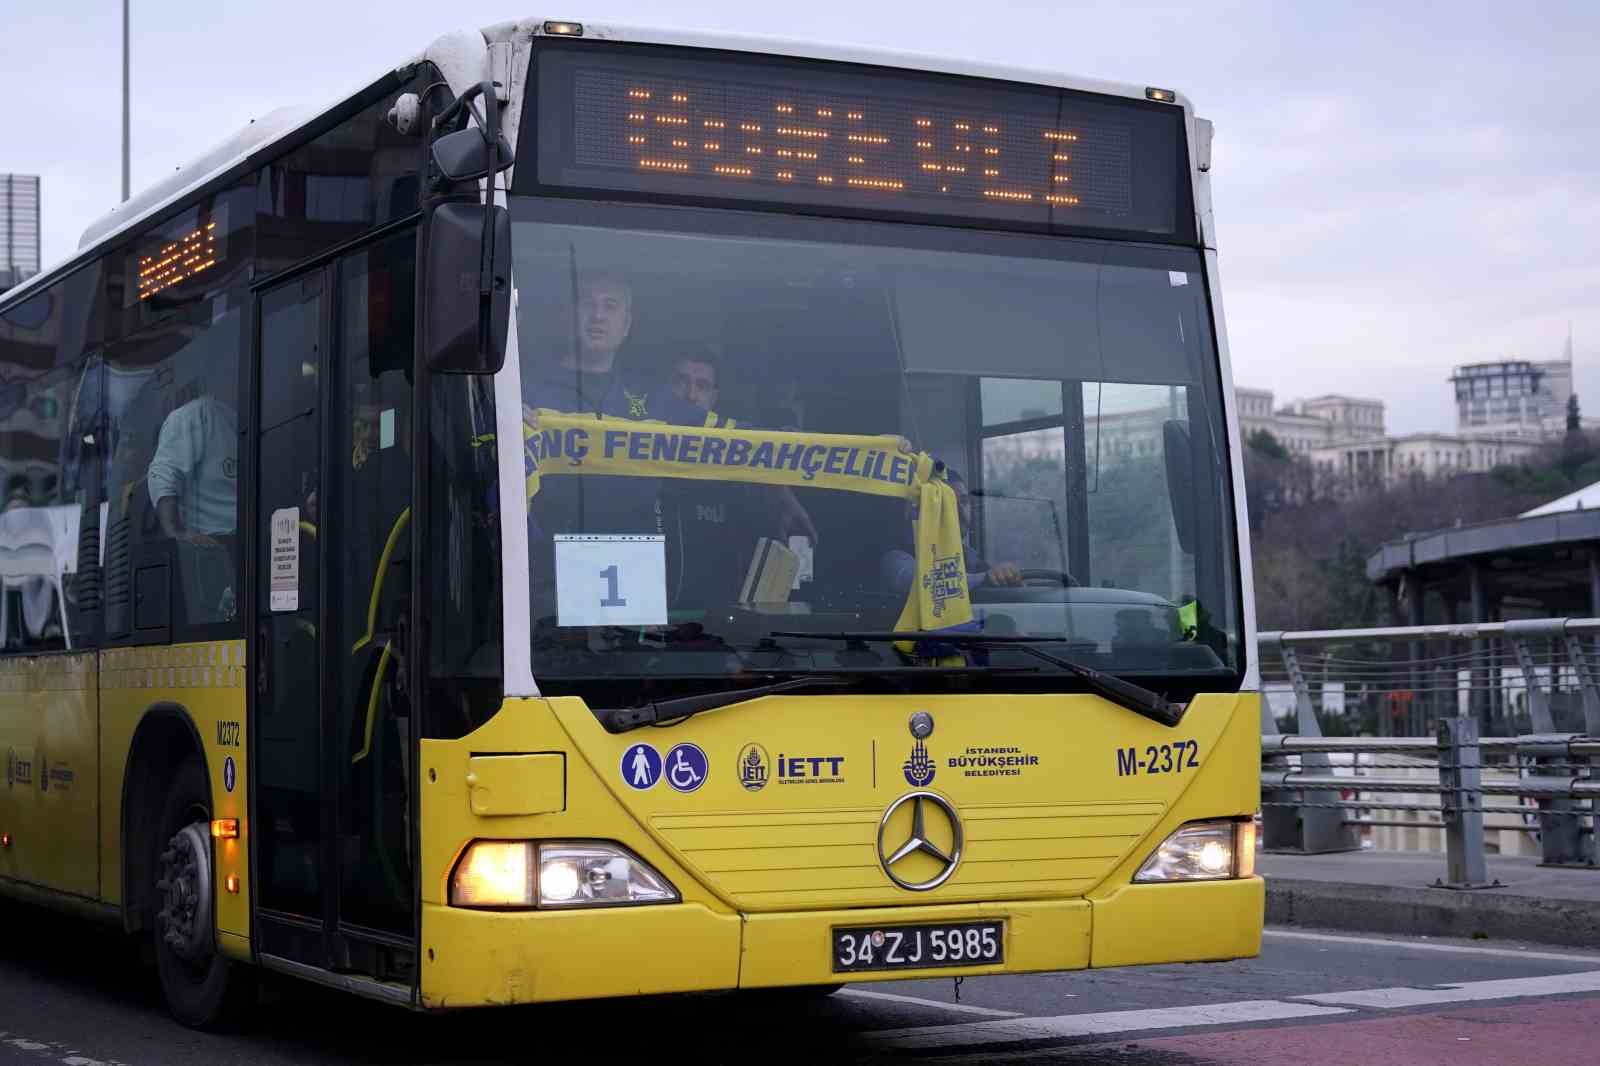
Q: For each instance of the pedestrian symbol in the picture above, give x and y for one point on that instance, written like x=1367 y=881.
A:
x=641 y=766
x=686 y=767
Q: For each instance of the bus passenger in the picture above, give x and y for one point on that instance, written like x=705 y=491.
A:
x=193 y=476
x=193 y=482
x=718 y=534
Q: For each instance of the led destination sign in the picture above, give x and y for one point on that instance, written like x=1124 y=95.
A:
x=774 y=130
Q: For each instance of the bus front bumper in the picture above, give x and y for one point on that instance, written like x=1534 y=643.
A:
x=483 y=958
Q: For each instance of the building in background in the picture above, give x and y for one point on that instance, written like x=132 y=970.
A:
x=1514 y=398
x=1418 y=455
x=1308 y=424
x=19 y=228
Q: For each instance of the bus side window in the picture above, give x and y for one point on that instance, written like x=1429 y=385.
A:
x=172 y=473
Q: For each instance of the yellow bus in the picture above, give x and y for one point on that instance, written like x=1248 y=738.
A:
x=605 y=511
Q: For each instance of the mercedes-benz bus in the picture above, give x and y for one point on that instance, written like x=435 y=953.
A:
x=601 y=511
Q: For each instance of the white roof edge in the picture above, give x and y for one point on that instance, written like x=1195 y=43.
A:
x=844 y=53
x=263 y=131
x=461 y=56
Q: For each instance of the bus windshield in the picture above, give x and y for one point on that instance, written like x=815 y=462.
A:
x=726 y=415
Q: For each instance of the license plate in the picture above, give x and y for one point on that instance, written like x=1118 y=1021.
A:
x=916 y=947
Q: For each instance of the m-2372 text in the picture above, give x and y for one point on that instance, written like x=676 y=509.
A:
x=1172 y=758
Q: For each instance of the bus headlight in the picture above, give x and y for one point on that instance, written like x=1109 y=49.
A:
x=595 y=874
x=521 y=874
x=1203 y=851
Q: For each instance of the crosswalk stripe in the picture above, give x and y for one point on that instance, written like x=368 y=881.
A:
x=959 y=1008
x=1100 y=1024
x=1505 y=988
x=1575 y=958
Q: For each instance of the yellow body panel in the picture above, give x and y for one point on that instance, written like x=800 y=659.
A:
x=68 y=725
x=207 y=681
x=1062 y=797
x=1199 y=922
x=50 y=800
x=503 y=786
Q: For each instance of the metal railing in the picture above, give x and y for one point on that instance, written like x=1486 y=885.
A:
x=1521 y=680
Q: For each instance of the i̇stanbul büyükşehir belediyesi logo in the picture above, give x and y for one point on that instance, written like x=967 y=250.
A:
x=919 y=767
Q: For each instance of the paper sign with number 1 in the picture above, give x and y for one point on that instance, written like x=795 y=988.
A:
x=611 y=580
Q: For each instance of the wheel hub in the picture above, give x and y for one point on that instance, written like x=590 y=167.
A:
x=184 y=920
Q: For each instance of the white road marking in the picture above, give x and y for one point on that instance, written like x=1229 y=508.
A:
x=41 y=1048
x=1412 y=945
x=862 y=993
x=1508 y=988
x=1101 y=1024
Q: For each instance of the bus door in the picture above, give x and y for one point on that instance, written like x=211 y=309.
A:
x=332 y=719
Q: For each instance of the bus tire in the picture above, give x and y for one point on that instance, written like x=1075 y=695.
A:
x=203 y=989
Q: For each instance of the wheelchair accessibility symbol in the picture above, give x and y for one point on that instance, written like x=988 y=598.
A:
x=686 y=767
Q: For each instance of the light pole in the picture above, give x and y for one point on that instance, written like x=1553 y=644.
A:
x=125 y=168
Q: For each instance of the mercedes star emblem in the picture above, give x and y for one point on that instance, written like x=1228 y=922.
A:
x=918 y=840
x=922 y=725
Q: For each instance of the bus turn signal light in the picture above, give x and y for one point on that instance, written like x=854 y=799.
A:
x=232 y=882
x=225 y=828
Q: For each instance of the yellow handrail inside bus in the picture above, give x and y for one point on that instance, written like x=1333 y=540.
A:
x=372 y=704
x=377 y=578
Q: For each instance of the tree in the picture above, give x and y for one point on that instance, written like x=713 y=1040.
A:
x=1269 y=446
x=1574 y=423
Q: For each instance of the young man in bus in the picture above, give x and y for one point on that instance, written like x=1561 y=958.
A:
x=718 y=521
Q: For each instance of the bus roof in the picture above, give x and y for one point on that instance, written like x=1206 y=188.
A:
x=467 y=56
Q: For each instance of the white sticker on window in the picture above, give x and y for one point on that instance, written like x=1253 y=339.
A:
x=386 y=428
x=611 y=580
x=285 y=595
x=1177 y=277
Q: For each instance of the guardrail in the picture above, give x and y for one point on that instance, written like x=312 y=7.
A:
x=1508 y=674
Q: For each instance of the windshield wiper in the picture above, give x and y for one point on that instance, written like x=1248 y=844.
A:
x=1136 y=698
x=660 y=712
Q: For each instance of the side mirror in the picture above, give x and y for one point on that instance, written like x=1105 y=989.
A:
x=1178 y=451
x=463 y=326
x=464 y=155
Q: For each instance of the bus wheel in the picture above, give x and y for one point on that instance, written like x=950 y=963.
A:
x=203 y=989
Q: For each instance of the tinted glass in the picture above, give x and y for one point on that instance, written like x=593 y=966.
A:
x=1043 y=372
x=357 y=175
x=372 y=583
x=171 y=486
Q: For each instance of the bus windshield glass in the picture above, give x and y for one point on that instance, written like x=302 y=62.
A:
x=729 y=418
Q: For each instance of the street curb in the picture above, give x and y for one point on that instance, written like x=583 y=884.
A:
x=1485 y=914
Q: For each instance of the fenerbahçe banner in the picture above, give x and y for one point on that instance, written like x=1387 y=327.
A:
x=561 y=443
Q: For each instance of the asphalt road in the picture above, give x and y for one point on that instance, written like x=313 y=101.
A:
x=71 y=995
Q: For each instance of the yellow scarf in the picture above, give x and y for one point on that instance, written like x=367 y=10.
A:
x=593 y=444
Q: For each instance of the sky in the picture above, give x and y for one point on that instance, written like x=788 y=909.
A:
x=1399 y=187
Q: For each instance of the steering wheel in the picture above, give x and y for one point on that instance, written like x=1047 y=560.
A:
x=1049 y=578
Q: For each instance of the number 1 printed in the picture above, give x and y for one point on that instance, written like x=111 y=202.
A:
x=611 y=599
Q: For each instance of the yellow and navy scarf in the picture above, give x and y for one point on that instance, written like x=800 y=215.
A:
x=593 y=444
